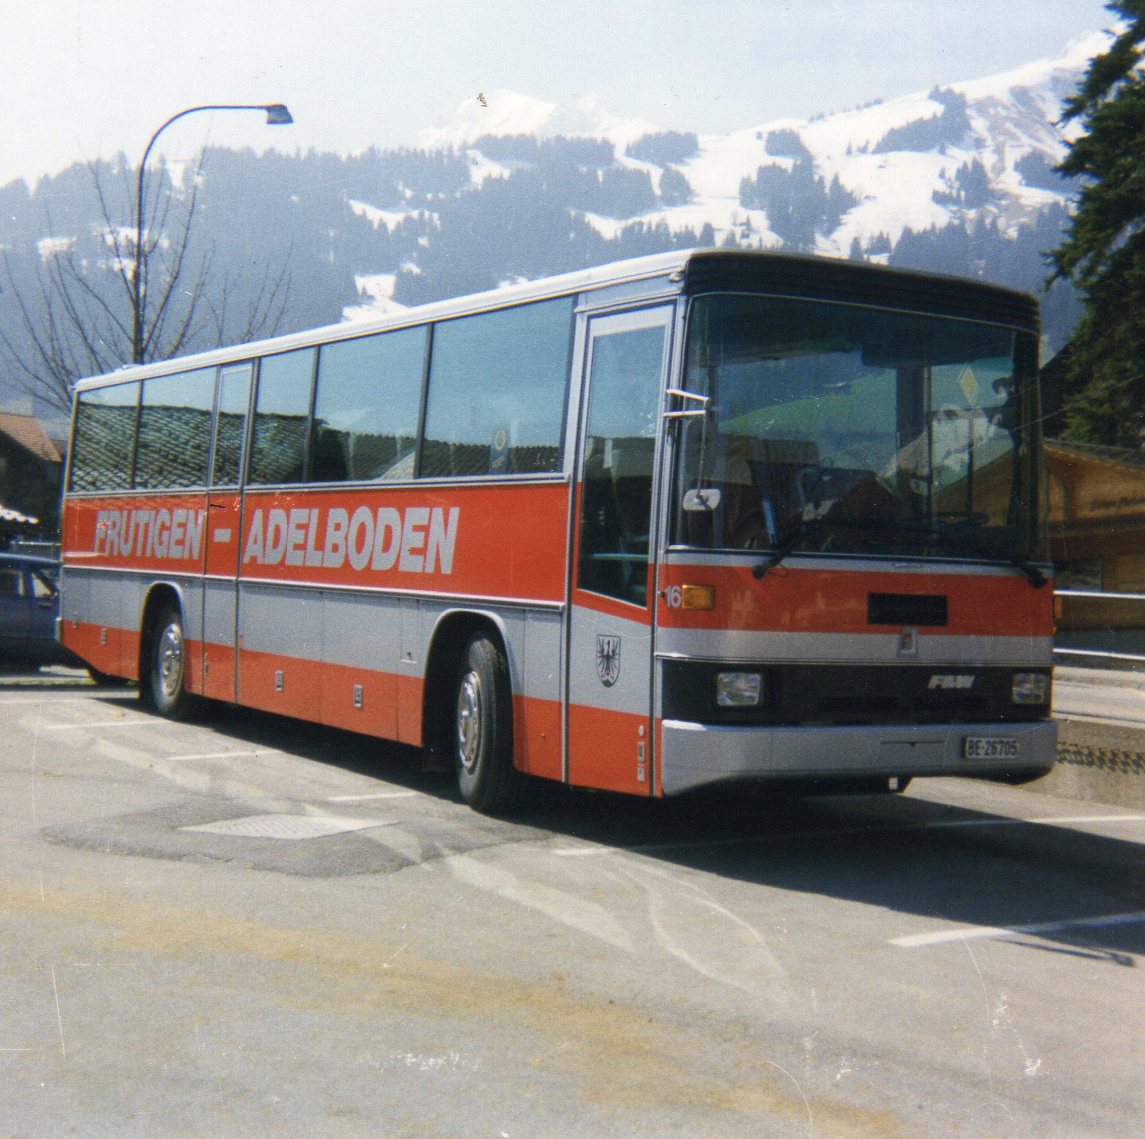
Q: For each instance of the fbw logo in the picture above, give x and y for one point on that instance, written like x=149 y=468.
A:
x=951 y=682
x=607 y=659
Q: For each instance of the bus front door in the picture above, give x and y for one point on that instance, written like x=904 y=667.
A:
x=609 y=672
x=223 y=539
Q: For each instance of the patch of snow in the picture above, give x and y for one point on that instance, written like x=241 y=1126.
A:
x=377 y=217
x=481 y=168
x=54 y=246
x=377 y=291
x=1057 y=73
x=501 y=112
x=607 y=227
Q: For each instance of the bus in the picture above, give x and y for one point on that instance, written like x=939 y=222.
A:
x=696 y=518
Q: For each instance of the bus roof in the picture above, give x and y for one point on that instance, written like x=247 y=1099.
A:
x=690 y=271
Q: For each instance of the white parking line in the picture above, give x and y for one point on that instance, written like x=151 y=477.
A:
x=223 y=754
x=376 y=795
x=1064 y=819
x=97 y=724
x=6 y=700
x=978 y=932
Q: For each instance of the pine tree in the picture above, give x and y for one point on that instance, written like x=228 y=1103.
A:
x=1103 y=251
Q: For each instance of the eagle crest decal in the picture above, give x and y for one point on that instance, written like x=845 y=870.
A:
x=607 y=659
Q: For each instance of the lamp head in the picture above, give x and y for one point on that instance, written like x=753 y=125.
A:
x=277 y=115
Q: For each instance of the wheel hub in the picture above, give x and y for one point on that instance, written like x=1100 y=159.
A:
x=170 y=661
x=469 y=722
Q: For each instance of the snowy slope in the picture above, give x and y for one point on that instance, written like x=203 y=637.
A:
x=501 y=112
x=1009 y=117
x=977 y=151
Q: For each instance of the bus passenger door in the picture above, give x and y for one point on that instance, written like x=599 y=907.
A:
x=609 y=732
x=224 y=535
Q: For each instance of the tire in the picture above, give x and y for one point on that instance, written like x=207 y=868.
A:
x=483 y=728
x=162 y=687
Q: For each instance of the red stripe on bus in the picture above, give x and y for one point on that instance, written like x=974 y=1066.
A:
x=613 y=749
x=537 y=736
x=452 y=540
x=106 y=648
x=834 y=601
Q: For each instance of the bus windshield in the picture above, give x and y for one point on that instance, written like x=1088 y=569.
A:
x=834 y=428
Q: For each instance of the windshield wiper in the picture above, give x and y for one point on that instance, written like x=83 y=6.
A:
x=790 y=540
x=1034 y=575
x=785 y=545
x=940 y=533
x=958 y=532
x=948 y=535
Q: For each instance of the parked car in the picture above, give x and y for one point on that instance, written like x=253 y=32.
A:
x=29 y=603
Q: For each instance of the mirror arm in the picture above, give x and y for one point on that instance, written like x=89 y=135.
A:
x=691 y=413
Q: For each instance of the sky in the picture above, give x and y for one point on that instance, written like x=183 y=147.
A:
x=86 y=79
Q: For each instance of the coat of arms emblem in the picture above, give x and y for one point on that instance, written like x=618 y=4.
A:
x=607 y=659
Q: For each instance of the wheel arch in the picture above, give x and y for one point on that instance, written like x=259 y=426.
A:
x=160 y=595
x=451 y=633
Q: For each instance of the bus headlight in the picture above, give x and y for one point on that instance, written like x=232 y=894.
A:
x=1030 y=688
x=738 y=689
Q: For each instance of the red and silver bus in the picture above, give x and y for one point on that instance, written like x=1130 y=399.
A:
x=689 y=519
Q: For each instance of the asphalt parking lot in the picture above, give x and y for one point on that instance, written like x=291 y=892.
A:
x=247 y=926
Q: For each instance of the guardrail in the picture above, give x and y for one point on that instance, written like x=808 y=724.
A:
x=1100 y=622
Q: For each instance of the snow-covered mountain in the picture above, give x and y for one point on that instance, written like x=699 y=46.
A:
x=883 y=156
x=978 y=150
x=501 y=112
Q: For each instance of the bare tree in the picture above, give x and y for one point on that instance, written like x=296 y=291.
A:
x=74 y=309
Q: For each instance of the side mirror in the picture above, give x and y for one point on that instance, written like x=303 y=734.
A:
x=701 y=500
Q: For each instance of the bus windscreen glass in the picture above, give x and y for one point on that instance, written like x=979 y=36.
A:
x=840 y=429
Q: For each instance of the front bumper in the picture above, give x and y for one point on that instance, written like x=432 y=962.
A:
x=694 y=755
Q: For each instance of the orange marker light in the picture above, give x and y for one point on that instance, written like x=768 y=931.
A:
x=697 y=597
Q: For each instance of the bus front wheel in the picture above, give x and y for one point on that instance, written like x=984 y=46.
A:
x=163 y=688
x=483 y=728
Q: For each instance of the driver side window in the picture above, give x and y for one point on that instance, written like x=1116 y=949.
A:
x=620 y=443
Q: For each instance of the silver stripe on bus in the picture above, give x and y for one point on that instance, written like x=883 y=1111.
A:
x=696 y=754
x=460 y=599
x=868 y=648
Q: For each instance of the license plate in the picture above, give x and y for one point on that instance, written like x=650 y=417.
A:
x=989 y=747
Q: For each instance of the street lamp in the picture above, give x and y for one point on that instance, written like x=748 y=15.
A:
x=276 y=115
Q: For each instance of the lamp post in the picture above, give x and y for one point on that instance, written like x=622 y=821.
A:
x=276 y=115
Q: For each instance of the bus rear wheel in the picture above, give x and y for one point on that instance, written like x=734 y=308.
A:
x=483 y=728
x=163 y=686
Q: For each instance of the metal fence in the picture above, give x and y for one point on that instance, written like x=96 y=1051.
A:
x=1099 y=627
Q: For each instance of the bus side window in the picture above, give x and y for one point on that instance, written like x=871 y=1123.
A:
x=282 y=414
x=497 y=384
x=230 y=424
x=366 y=407
x=175 y=407
x=103 y=450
